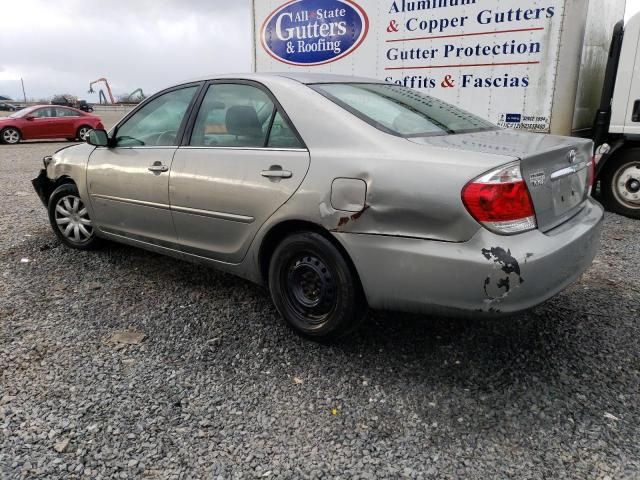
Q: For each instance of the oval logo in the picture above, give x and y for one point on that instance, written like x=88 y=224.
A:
x=314 y=32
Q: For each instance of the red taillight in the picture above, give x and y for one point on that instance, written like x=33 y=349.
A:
x=500 y=201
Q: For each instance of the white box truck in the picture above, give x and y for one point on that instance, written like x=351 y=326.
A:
x=566 y=67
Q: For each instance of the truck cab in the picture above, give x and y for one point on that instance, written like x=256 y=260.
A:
x=617 y=126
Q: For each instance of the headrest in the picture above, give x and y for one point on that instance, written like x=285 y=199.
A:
x=242 y=120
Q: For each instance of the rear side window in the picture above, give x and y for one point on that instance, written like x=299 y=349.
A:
x=239 y=115
x=282 y=135
x=65 y=112
x=233 y=115
x=402 y=111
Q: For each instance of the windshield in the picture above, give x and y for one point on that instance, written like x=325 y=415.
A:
x=402 y=111
x=22 y=113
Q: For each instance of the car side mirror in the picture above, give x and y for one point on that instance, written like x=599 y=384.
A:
x=98 y=138
x=29 y=118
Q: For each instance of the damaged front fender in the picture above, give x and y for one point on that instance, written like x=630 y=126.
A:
x=43 y=187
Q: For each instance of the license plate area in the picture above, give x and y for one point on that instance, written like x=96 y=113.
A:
x=568 y=191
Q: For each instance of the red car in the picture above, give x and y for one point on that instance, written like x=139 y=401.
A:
x=47 y=121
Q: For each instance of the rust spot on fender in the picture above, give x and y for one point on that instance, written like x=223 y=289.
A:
x=344 y=220
x=356 y=216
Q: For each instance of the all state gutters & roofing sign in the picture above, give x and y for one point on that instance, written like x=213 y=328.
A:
x=496 y=58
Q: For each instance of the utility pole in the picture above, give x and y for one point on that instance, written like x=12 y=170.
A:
x=24 y=95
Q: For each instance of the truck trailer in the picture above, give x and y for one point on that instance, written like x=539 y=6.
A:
x=564 y=67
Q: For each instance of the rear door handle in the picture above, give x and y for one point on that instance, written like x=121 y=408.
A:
x=158 y=168
x=276 y=172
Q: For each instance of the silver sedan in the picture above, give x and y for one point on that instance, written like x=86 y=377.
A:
x=339 y=193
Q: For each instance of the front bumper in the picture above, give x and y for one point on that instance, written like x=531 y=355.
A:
x=43 y=186
x=489 y=274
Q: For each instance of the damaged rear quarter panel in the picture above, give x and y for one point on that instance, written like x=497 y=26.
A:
x=414 y=194
x=412 y=190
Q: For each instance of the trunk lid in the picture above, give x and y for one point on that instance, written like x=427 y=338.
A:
x=555 y=169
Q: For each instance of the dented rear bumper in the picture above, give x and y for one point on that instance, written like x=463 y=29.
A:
x=489 y=274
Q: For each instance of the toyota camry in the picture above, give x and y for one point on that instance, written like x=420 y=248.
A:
x=338 y=194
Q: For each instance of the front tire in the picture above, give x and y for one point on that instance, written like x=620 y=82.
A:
x=620 y=184
x=83 y=133
x=70 y=220
x=314 y=288
x=10 y=135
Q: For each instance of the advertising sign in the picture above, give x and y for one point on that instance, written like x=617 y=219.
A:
x=495 y=58
x=314 y=32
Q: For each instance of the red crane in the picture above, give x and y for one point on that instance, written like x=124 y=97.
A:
x=106 y=82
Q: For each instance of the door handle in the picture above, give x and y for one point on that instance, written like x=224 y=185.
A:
x=158 y=168
x=276 y=172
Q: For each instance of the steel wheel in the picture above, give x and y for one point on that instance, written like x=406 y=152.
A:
x=314 y=288
x=72 y=219
x=83 y=133
x=626 y=185
x=10 y=136
x=310 y=288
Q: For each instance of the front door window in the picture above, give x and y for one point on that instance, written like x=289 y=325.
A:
x=158 y=122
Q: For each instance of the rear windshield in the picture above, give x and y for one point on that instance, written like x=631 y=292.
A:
x=402 y=111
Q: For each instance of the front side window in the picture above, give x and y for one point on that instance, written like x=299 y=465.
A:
x=233 y=115
x=44 y=112
x=402 y=111
x=156 y=123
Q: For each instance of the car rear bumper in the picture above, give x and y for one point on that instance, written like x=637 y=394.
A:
x=489 y=274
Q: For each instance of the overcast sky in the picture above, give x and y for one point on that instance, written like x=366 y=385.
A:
x=60 y=46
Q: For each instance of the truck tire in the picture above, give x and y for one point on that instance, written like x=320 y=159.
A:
x=620 y=184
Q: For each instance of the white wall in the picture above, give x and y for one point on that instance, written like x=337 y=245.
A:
x=601 y=18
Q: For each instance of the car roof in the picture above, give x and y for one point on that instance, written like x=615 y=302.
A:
x=57 y=106
x=301 y=77
x=310 y=78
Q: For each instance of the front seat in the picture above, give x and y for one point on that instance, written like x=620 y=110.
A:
x=242 y=121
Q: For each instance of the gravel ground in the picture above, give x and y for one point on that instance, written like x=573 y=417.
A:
x=220 y=388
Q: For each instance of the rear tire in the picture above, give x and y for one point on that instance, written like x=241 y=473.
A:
x=83 y=133
x=314 y=287
x=70 y=220
x=10 y=136
x=620 y=184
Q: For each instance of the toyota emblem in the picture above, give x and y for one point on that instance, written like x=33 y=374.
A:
x=572 y=155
